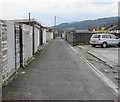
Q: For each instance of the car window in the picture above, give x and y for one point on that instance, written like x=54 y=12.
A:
x=113 y=36
x=105 y=36
x=95 y=36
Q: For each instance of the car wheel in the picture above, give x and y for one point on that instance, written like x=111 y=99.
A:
x=93 y=45
x=119 y=44
x=104 y=45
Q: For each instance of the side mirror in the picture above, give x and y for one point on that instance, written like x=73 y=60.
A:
x=117 y=38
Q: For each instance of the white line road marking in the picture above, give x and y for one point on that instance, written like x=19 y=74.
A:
x=106 y=80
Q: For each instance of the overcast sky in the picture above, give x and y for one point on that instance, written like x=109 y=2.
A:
x=65 y=10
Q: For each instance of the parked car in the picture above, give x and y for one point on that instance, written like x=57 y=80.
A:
x=104 y=40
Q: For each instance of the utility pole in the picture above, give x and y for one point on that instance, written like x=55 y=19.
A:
x=54 y=23
x=29 y=18
x=54 y=26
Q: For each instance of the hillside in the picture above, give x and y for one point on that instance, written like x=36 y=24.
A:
x=88 y=24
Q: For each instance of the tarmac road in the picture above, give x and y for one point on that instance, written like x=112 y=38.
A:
x=58 y=74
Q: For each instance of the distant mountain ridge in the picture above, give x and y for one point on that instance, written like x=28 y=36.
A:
x=88 y=24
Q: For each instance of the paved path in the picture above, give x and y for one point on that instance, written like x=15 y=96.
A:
x=59 y=74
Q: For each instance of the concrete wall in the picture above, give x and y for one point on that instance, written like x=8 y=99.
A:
x=10 y=48
x=69 y=37
x=49 y=35
x=0 y=62
x=36 y=39
x=44 y=35
x=17 y=46
x=1 y=53
x=18 y=41
x=63 y=35
x=52 y=35
x=3 y=41
x=27 y=42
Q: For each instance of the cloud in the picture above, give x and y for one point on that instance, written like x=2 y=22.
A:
x=44 y=10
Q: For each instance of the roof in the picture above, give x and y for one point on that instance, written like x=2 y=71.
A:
x=25 y=21
x=82 y=31
x=115 y=27
x=114 y=31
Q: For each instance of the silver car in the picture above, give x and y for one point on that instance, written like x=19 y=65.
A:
x=104 y=40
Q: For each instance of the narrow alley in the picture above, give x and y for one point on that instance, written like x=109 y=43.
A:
x=58 y=74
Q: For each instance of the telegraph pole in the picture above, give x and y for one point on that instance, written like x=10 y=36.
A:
x=29 y=18
x=54 y=23
x=54 y=26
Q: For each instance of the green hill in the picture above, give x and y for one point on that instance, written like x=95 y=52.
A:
x=88 y=24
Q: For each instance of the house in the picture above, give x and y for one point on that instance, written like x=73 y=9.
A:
x=113 y=29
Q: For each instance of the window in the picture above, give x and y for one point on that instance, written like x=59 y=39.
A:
x=95 y=36
x=105 y=36
x=113 y=36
